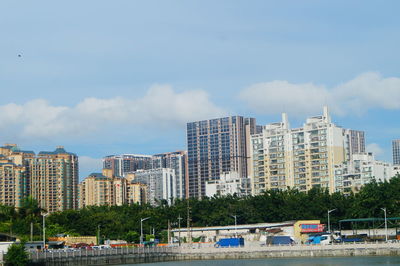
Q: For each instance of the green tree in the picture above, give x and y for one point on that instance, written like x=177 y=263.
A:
x=16 y=255
x=132 y=237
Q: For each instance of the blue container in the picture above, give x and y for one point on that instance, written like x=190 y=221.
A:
x=230 y=242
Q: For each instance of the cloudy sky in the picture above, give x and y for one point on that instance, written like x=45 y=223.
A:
x=110 y=77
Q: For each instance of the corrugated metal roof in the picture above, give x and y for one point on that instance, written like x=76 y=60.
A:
x=239 y=227
x=369 y=219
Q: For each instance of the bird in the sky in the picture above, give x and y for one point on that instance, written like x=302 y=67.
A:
x=19 y=55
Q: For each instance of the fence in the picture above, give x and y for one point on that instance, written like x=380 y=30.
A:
x=58 y=254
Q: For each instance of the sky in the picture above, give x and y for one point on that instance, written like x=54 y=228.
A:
x=112 y=77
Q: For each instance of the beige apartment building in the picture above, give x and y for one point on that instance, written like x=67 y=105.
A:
x=50 y=177
x=100 y=189
x=13 y=183
x=300 y=158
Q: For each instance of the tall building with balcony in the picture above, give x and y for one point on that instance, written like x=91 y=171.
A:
x=355 y=142
x=96 y=190
x=125 y=163
x=217 y=146
x=301 y=158
x=54 y=180
x=50 y=177
x=14 y=184
x=160 y=182
x=177 y=161
x=14 y=174
x=396 y=151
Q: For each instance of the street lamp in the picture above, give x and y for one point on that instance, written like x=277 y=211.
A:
x=235 y=216
x=141 y=229
x=386 y=232
x=44 y=229
x=329 y=221
x=179 y=225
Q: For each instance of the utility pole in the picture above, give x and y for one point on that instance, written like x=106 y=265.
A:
x=98 y=234
x=44 y=229
x=179 y=225
x=169 y=232
x=31 y=231
x=188 y=224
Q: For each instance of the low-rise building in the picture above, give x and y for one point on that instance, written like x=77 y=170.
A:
x=228 y=183
x=361 y=169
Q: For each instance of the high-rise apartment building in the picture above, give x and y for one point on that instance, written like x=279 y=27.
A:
x=14 y=184
x=177 y=161
x=217 y=146
x=301 y=158
x=105 y=189
x=54 y=180
x=160 y=182
x=50 y=177
x=355 y=142
x=96 y=190
x=125 y=163
x=396 y=151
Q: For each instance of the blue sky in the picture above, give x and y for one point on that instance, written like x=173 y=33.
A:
x=109 y=77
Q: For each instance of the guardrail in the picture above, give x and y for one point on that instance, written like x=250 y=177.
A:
x=55 y=254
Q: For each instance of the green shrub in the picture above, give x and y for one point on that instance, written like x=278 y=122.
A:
x=16 y=255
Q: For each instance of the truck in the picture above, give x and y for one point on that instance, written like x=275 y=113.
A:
x=230 y=242
x=323 y=239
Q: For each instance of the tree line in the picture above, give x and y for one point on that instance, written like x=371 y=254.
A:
x=123 y=222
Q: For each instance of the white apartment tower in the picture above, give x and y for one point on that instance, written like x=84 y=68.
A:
x=301 y=158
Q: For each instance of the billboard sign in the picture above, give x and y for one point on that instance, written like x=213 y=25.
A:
x=311 y=228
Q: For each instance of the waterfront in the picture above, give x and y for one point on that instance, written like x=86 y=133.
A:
x=330 y=261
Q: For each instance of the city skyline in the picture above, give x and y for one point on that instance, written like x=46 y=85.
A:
x=130 y=83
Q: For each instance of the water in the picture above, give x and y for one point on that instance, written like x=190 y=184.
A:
x=333 y=261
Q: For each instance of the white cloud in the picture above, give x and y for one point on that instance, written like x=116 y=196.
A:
x=161 y=107
x=366 y=91
x=375 y=149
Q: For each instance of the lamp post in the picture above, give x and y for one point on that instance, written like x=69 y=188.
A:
x=179 y=225
x=235 y=216
x=329 y=221
x=44 y=229
x=141 y=229
x=386 y=231
x=98 y=234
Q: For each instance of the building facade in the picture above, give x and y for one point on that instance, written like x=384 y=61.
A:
x=160 y=182
x=14 y=183
x=216 y=146
x=355 y=142
x=125 y=163
x=361 y=169
x=54 y=180
x=228 y=184
x=300 y=158
x=50 y=177
x=96 y=190
x=105 y=189
x=177 y=161
x=396 y=151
